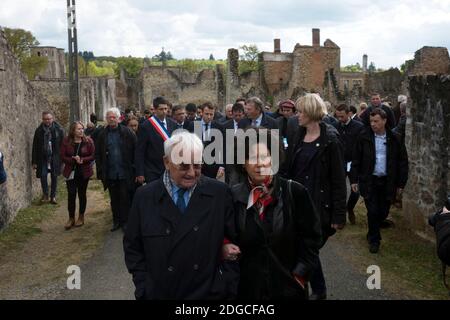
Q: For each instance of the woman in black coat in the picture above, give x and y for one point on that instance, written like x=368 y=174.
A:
x=278 y=229
x=315 y=159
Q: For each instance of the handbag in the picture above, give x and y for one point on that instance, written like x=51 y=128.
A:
x=72 y=173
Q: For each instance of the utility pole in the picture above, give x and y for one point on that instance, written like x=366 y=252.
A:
x=74 y=85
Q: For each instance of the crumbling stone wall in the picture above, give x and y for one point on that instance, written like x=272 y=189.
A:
x=181 y=87
x=20 y=114
x=96 y=95
x=430 y=60
x=428 y=144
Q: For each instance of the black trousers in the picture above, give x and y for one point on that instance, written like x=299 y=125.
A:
x=77 y=185
x=352 y=200
x=120 y=201
x=377 y=208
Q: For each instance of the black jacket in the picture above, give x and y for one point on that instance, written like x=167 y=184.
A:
x=348 y=135
x=364 y=158
x=293 y=236
x=174 y=256
x=38 y=156
x=365 y=116
x=150 y=151
x=266 y=122
x=128 y=146
x=330 y=190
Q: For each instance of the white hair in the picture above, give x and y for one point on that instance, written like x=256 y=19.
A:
x=402 y=98
x=181 y=146
x=114 y=110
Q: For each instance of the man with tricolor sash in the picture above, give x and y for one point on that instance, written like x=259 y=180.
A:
x=150 y=147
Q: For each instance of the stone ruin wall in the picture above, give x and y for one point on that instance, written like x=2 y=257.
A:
x=96 y=95
x=21 y=107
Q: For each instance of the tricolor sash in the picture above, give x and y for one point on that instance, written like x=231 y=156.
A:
x=162 y=131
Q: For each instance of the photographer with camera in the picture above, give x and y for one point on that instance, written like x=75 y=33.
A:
x=441 y=223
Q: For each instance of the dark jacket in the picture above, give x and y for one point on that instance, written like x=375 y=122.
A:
x=2 y=170
x=128 y=146
x=330 y=190
x=38 y=156
x=364 y=158
x=211 y=170
x=365 y=116
x=348 y=135
x=332 y=121
x=401 y=128
x=293 y=236
x=150 y=151
x=86 y=153
x=173 y=256
x=266 y=122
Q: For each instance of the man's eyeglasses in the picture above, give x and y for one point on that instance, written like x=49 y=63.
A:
x=187 y=167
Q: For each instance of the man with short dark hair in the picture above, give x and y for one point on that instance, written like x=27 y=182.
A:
x=379 y=171
x=232 y=176
x=46 y=159
x=377 y=103
x=179 y=116
x=150 y=145
x=349 y=131
x=254 y=110
x=215 y=170
x=191 y=112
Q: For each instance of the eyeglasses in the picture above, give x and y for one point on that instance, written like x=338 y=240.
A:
x=187 y=167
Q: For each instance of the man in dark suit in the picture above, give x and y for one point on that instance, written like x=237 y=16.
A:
x=232 y=176
x=379 y=171
x=254 y=110
x=179 y=116
x=207 y=126
x=173 y=243
x=349 y=130
x=150 y=146
x=377 y=103
x=287 y=110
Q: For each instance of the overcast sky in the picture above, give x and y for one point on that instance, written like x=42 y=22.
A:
x=388 y=31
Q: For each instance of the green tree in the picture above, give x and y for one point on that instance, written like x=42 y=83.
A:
x=372 y=68
x=132 y=66
x=33 y=65
x=189 y=65
x=352 y=68
x=20 y=42
x=211 y=57
x=249 y=60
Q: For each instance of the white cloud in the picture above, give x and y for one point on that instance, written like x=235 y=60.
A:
x=388 y=31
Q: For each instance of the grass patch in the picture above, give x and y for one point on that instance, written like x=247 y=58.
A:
x=25 y=224
x=408 y=262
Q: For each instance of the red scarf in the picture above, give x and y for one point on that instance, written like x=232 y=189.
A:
x=260 y=197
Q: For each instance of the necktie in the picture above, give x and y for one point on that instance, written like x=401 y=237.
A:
x=206 y=131
x=180 y=202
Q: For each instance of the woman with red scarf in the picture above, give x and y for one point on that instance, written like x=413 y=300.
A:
x=279 y=229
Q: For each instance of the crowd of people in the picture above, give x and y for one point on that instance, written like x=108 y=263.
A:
x=221 y=230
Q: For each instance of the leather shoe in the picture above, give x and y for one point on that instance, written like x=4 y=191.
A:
x=320 y=296
x=80 y=221
x=69 y=224
x=53 y=201
x=115 y=227
x=374 y=248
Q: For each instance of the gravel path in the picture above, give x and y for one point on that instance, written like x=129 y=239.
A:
x=105 y=275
